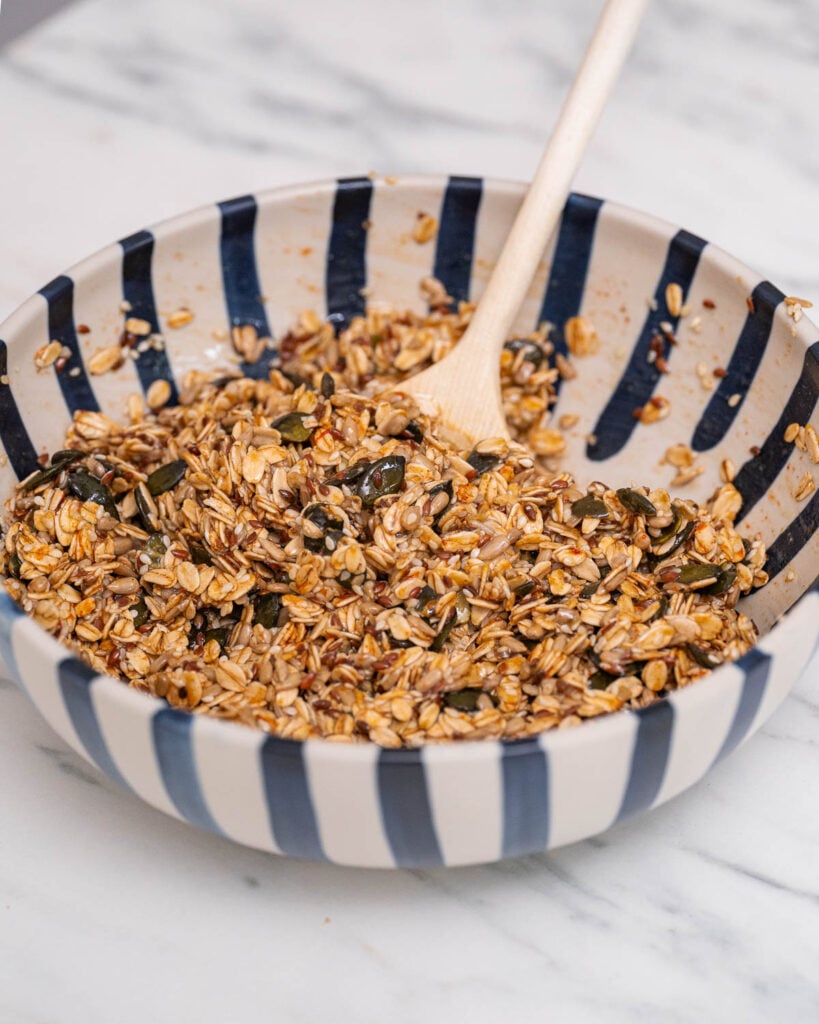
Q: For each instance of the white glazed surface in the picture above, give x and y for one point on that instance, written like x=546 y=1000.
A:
x=705 y=909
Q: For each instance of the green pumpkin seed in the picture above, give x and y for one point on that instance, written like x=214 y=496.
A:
x=266 y=609
x=424 y=599
x=532 y=352
x=695 y=572
x=155 y=549
x=15 y=565
x=599 y=680
x=59 y=461
x=462 y=700
x=679 y=540
x=413 y=432
x=146 y=508
x=221 y=634
x=482 y=463
x=327 y=386
x=332 y=528
x=463 y=609
x=458 y=615
x=385 y=476
x=166 y=477
x=292 y=428
x=140 y=613
x=636 y=502
x=524 y=589
x=88 y=488
x=443 y=635
x=727 y=578
x=351 y=474
x=701 y=656
x=200 y=555
x=590 y=589
x=590 y=507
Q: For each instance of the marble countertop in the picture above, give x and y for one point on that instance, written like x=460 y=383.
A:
x=116 y=114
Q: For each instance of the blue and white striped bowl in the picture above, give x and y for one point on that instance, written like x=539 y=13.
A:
x=262 y=260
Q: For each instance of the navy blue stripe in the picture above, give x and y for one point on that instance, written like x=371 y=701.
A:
x=799 y=532
x=240 y=275
x=636 y=386
x=570 y=267
x=755 y=478
x=9 y=614
x=346 y=270
x=77 y=391
x=525 y=774
x=406 y=810
x=138 y=291
x=289 y=804
x=649 y=758
x=718 y=417
x=173 y=744
x=75 y=685
x=455 y=244
x=17 y=444
x=756 y=665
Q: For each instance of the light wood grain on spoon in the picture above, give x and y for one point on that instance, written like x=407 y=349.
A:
x=466 y=384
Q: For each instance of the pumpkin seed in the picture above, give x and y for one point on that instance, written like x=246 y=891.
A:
x=166 y=477
x=266 y=609
x=327 y=386
x=140 y=610
x=331 y=526
x=669 y=532
x=458 y=616
x=200 y=555
x=424 y=599
x=524 y=589
x=385 y=476
x=146 y=508
x=482 y=463
x=695 y=572
x=221 y=634
x=351 y=474
x=463 y=700
x=88 y=488
x=155 y=549
x=15 y=565
x=701 y=656
x=296 y=379
x=413 y=432
x=679 y=540
x=590 y=507
x=443 y=635
x=292 y=428
x=636 y=502
x=59 y=461
x=532 y=353
x=726 y=579
x=599 y=680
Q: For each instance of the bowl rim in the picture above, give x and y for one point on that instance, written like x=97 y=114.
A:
x=234 y=733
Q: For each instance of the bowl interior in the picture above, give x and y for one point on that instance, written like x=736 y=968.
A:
x=333 y=247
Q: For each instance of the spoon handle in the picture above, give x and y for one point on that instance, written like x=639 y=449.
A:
x=544 y=201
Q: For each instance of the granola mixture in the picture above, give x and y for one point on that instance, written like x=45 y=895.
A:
x=305 y=558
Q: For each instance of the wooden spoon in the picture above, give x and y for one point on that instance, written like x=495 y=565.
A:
x=465 y=386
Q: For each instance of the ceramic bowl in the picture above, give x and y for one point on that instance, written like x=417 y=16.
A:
x=262 y=260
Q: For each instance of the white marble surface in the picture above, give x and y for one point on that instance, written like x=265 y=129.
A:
x=117 y=114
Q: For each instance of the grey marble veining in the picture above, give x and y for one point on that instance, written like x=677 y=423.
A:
x=117 y=114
